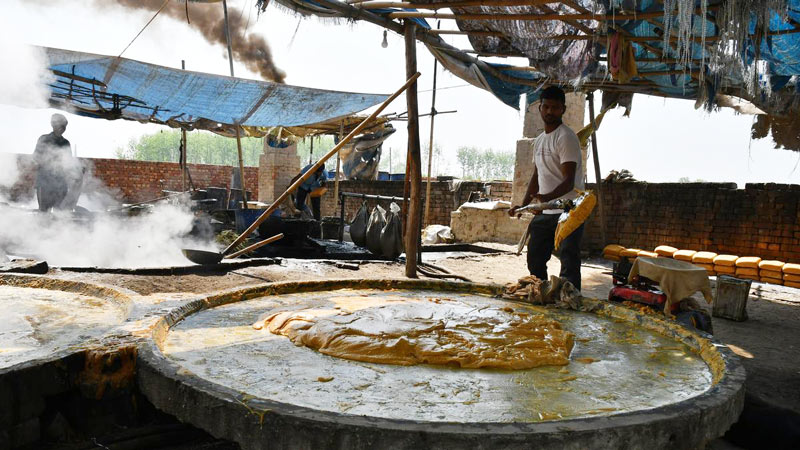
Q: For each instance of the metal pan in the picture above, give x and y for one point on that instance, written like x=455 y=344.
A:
x=207 y=257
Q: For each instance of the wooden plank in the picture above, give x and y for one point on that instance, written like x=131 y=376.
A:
x=414 y=210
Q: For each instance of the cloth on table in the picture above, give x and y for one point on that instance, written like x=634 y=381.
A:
x=677 y=279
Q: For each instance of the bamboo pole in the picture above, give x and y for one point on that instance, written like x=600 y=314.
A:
x=467 y=33
x=413 y=231
x=320 y=163
x=530 y=17
x=599 y=182
x=183 y=146
x=366 y=4
x=236 y=125
x=426 y=221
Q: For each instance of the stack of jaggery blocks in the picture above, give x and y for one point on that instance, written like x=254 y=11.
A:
x=748 y=267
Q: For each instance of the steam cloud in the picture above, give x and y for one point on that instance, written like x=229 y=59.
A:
x=252 y=50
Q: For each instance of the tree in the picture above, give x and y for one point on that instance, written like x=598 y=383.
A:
x=486 y=165
x=207 y=148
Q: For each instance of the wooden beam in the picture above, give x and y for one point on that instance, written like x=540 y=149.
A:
x=467 y=33
x=444 y=5
x=415 y=195
x=532 y=17
x=596 y=160
x=426 y=220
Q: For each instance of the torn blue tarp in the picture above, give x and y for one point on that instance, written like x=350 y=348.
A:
x=119 y=88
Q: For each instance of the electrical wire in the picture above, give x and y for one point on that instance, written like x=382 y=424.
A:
x=143 y=28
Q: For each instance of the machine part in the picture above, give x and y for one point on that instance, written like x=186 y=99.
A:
x=207 y=257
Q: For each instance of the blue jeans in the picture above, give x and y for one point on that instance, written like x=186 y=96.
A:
x=542 y=231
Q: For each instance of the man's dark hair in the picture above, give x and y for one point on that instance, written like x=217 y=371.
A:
x=554 y=93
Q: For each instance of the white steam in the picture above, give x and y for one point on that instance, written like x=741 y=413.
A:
x=68 y=240
x=25 y=79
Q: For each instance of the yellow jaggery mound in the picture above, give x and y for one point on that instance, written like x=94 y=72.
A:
x=406 y=332
x=704 y=257
x=725 y=260
x=791 y=268
x=750 y=262
x=746 y=272
x=771 y=280
x=684 y=255
x=666 y=250
x=794 y=284
x=771 y=264
x=647 y=254
x=709 y=268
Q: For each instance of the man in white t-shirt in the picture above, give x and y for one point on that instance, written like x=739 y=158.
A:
x=556 y=175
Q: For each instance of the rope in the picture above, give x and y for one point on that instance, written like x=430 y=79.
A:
x=143 y=28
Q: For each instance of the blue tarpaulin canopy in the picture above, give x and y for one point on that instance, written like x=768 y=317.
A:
x=118 y=88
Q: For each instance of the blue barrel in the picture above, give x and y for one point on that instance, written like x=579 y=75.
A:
x=331 y=174
x=246 y=217
x=397 y=177
x=383 y=176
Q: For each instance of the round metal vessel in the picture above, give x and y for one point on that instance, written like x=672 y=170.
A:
x=47 y=319
x=633 y=380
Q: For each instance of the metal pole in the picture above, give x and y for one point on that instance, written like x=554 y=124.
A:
x=414 y=211
x=238 y=133
x=599 y=182
x=430 y=146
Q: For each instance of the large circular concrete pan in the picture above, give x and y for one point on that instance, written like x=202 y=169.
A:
x=261 y=409
x=46 y=319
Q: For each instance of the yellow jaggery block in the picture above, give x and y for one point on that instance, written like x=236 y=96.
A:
x=771 y=274
x=709 y=267
x=647 y=254
x=791 y=277
x=728 y=270
x=791 y=268
x=609 y=257
x=725 y=260
x=748 y=261
x=746 y=271
x=794 y=284
x=613 y=249
x=666 y=250
x=771 y=280
x=704 y=257
x=684 y=255
x=771 y=264
x=630 y=252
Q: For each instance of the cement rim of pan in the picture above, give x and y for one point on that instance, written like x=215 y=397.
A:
x=120 y=296
x=259 y=423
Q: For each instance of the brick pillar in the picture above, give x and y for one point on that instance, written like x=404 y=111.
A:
x=276 y=168
x=532 y=127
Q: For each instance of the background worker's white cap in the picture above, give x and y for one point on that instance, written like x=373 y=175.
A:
x=58 y=119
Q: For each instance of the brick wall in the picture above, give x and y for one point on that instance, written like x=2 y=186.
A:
x=136 y=181
x=443 y=199
x=761 y=220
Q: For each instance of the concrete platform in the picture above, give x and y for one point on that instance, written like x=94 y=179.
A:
x=230 y=410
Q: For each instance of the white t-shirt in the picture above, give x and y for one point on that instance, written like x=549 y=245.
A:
x=550 y=151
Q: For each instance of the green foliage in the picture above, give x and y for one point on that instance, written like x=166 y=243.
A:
x=208 y=148
x=477 y=164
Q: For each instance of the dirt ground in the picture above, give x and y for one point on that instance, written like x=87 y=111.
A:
x=768 y=342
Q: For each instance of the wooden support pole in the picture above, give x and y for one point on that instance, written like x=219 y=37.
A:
x=455 y=4
x=430 y=148
x=599 y=182
x=414 y=210
x=620 y=17
x=183 y=147
x=336 y=174
x=236 y=125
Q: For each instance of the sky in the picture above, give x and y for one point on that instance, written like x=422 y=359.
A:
x=662 y=141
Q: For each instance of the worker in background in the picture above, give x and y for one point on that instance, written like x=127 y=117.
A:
x=55 y=165
x=556 y=175
x=313 y=187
